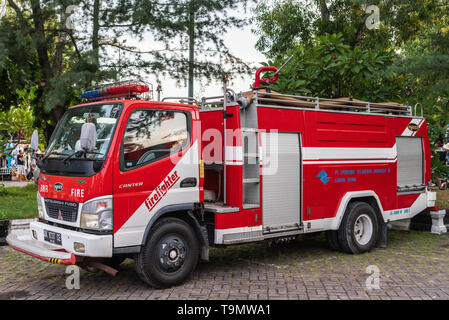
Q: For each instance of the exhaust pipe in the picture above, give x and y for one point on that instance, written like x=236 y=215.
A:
x=97 y=264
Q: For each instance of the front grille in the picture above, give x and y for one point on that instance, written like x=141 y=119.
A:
x=62 y=210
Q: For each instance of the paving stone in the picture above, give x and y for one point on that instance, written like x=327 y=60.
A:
x=303 y=270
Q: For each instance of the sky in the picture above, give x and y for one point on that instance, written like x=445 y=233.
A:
x=241 y=43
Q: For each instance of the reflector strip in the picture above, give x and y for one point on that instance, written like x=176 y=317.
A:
x=54 y=260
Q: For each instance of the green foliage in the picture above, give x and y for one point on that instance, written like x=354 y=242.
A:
x=426 y=62
x=439 y=167
x=283 y=24
x=40 y=51
x=19 y=122
x=330 y=68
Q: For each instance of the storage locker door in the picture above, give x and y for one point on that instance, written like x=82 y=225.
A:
x=281 y=194
x=410 y=167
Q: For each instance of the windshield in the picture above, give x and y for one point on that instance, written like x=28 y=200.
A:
x=66 y=139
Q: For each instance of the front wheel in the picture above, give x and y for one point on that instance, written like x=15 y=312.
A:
x=170 y=254
x=359 y=229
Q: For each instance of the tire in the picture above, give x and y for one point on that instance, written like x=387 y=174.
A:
x=359 y=228
x=332 y=240
x=170 y=254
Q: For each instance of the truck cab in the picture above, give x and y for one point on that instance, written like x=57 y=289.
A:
x=99 y=204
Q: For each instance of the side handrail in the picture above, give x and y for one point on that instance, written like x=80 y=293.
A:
x=422 y=111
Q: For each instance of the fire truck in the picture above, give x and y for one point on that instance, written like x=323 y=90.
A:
x=162 y=182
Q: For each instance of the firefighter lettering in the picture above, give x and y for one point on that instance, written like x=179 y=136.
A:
x=161 y=190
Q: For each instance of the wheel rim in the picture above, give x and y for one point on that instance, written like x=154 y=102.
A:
x=171 y=253
x=363 y=229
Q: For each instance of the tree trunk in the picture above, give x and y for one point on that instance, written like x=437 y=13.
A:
x=191 y=47
x=58 y=64
x=39 y=38
x=96 y=31
x=325 y=14
x=38 y=35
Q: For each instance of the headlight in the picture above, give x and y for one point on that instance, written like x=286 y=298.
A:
x=97 y=215
x=40 y=207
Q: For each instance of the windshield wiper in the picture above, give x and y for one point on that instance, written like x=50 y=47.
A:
x=82 y=152
x=51 y=154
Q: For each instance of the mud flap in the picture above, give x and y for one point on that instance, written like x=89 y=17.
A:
x=382 y=241
x=201 y=231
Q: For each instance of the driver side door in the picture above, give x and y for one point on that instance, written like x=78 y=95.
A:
x=147 y=172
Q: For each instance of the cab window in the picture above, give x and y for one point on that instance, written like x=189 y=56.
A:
x=151 y=135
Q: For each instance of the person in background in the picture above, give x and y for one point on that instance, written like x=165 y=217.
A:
x=21 y=166
x=4 y=162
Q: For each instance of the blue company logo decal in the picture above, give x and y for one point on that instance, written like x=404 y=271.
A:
x=399 y=211
x=324 y=177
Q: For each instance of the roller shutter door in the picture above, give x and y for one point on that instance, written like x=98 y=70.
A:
x=410 y=165
x=281 y=189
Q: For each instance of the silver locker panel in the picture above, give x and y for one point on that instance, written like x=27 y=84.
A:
x=410 y=165
x=281 y=194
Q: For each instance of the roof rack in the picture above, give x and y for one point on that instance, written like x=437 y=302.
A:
x=270 y=99
x=264 y=97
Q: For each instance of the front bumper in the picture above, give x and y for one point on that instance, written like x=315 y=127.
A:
x=43 y=251
x=96 y=246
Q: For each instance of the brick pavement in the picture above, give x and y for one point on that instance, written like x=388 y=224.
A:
x=414 y=267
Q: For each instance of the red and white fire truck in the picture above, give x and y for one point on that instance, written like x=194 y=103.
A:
x=162 y=182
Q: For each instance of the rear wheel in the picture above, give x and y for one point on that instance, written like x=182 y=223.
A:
x=170 y=254
x=359 y=229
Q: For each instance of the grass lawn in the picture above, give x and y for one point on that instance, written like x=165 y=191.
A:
x=18 y=202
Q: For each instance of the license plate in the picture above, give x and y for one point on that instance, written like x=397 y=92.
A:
x=52 y=237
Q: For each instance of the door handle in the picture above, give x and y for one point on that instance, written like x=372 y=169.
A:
x=188 y=183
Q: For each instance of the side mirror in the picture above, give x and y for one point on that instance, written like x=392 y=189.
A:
x=35 y=141
x=88 y=139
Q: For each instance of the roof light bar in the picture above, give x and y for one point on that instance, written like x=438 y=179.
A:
x=119 y=90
